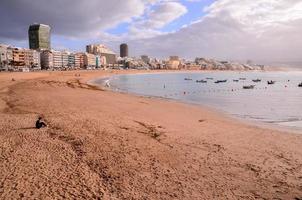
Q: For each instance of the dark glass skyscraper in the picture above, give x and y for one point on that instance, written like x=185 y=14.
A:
x=39 y=36
x=124 y=50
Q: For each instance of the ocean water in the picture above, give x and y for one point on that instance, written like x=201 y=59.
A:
x=280 y=103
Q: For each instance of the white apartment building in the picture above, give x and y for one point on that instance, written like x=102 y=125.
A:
x=65 y=59
x=32 y=59
x=3 y=57
x=89 y=60
x=57 y=59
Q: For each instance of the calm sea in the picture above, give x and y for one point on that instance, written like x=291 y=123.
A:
x=279 y=103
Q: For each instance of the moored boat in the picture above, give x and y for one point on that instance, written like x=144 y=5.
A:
x=221 y=81
x=201 y=81
x=256 y=80
x=300 y=85
x=248 y=87
x=271 y=82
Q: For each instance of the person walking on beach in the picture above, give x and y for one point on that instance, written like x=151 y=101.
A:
x=40 y=123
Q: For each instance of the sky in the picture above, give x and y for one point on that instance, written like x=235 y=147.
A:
x=258 y=30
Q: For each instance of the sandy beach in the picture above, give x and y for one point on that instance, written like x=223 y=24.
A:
x=105 y=145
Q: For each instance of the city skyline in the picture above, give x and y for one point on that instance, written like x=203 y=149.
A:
x=261 y=30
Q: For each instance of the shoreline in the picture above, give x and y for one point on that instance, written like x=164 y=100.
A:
x=267 y=125
x=101 y=144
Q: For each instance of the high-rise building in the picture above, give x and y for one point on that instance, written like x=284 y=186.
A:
x=124 y=50
x=39 y=36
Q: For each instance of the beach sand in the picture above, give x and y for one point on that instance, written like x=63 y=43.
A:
x=105 y=145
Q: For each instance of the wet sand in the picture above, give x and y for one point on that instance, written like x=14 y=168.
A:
x=105 y=145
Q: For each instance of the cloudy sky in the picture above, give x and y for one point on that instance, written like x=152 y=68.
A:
x=260 y=30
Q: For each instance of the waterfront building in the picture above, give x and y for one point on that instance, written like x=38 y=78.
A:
x=51 y=59
x=89 y=60
x=173 y=63
x=71 y=60
x=28 y=57
x=91 y=49
x=98 y=61
x=46 y=59
x=36 y=60
x=124 y=50
x=18 y=58
x=102 y=50
x=174 y=58
x=9 y=57
x=65 y=56
x=79 y=60
x=145 y=58
x=32 y=59
x=2 y=56
x=9 y=54
x=18 y=61
x=57 y=59
x=103 y=61
x=4 y=62
x=39 y=36
x=200 y=61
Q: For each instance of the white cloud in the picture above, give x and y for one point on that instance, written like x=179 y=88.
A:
x=259 y=12
x=266 y=30
x=165 y=13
